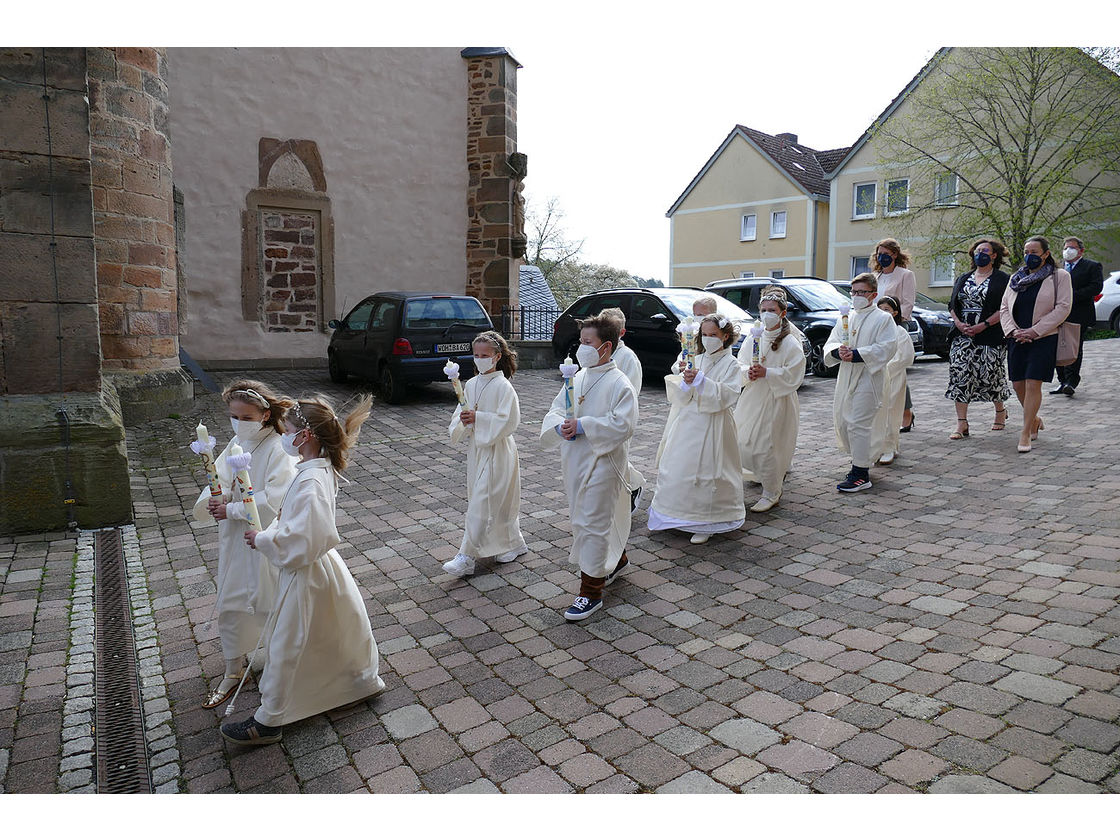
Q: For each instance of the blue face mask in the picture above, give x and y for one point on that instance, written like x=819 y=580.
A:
x=981 y=259
x=884 y=260
x=1033 y=261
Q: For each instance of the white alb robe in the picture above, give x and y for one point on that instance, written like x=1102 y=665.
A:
x=594 y=465
x=321 y=651
x=629 y=363
x=768 y=411
x=859 y=385
x=699 y=479
x=493 y=523
x=888 y=419
x=246 y=582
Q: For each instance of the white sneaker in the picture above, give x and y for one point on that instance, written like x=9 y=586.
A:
x=887 y=458
x=699 y=539
x=460 y=565
x=764 y=504
x=510 y=556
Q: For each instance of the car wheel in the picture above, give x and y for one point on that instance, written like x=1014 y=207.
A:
x=1115 y=323
x=392 y=391
x=335 y=369
x=816 y=360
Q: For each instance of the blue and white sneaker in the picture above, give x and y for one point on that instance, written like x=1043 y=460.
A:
x=581 y=608
x=623 y=563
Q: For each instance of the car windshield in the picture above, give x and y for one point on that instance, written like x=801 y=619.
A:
x=926 y=302
x=680 y=301
x=442 y=312
x=819 y=296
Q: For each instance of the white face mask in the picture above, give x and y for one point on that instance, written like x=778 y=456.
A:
x=246 y=429
x=1070 y=254
x=860 y=302
x=484 y=364
x=771 y=320
x=587 y=356
x=288 y=443
x=712 y=343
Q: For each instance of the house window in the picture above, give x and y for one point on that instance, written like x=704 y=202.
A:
x=945 y=191
x=898 y=196
x=746 y=275
x=859 y=265
x=778 y=224
x=863 y=201
x=941 y=272
x=747 y=229
x=777 y=273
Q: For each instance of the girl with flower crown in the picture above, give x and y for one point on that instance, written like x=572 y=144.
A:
x=699 y=479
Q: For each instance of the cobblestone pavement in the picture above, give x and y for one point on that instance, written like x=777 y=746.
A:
x=955 y=629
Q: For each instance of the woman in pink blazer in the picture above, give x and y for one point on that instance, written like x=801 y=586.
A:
x=1037 y=300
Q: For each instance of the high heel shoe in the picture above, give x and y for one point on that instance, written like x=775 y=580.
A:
x=960 y=433
x=904 y=429
x=1038 y=428
x=997 y=424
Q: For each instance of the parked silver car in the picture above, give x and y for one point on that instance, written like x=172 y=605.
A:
x=1108 y=303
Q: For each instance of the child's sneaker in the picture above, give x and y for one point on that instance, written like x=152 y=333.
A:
x=581 y=608
x=510 y=556
x=460 y=565
x=623 y=562
x=854 y=483
x=249 y=733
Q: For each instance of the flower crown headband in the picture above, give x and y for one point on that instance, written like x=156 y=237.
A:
x=777 y=297
x=303 y=420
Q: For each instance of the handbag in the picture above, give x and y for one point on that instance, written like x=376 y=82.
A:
x=1069 y=340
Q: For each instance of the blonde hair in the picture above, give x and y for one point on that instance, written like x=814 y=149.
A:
x=617 y=314
x=868 y=278
x=336 y=437
x=255 y=393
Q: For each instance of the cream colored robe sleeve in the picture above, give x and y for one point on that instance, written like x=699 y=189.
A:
x=271 y=476
x=306 y=531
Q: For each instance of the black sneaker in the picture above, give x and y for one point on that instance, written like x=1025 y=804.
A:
x=635 y=497
x=619 y=569
x=249 y=733
x=854 y=483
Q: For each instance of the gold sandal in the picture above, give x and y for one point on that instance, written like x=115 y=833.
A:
x=216 y=698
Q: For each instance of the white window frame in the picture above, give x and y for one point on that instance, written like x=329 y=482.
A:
x=942 y=271
x=856 y=269
x=777 y=274
x=774 y=218
x=746 y=235
x=887 y=197
x=874 y=198
x=952 y=200
x=746 y=275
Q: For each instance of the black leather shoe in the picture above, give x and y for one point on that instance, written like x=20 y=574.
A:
x=1061 y=389
x=1067 y=390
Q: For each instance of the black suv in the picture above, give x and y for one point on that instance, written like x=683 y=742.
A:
x=652 y=316
x=397 y=339
x=813 y=308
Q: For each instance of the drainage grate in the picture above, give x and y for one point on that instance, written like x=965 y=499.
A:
x=122 y=757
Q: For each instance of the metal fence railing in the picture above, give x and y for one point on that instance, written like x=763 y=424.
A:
x=528 y=323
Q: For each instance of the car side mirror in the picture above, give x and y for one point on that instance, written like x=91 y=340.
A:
x=334 y=323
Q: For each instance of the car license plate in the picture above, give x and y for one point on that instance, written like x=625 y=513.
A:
x=452 y=348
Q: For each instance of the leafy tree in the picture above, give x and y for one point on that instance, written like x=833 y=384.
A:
x=1008 y=143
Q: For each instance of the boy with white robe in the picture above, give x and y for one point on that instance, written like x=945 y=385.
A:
x=768 y=412
x=699 y=480
x=863 y=357
x=594 y=450
x=487 y=424
x=888 y=420
x=629 y=363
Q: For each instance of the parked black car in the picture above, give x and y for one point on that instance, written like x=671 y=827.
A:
x=398 y=339
x=813 y=309
x=932 y=317
x=652 y=316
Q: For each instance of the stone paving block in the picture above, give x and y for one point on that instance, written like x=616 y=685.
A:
x=651 y=765
x=819 y=730
x=1036 y=687
x=849 y=778
x=979 y=698
x=914 y=767
x=1021 y=773
x=540 y=779
x=957 y=784
x=766 y=707
x=738 y=771
x=408 y=721
x=745 y=735
x=1086 y=764
x=914 y=705
x=1091 y=734
x=969 y=723
x=868 y=748
x=1061 y=783
x=774 y=783
x=798 y=759
x=693 y=782
x=967 y=752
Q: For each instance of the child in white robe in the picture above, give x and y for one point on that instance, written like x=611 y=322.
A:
x=700 y=481
x=768 y=412
x=320 y=650
x=246 y=582
x=629 y=363
x=594 y=450
x=888 y=420
x=862 y=355
x=487 y=424
x=703 y=305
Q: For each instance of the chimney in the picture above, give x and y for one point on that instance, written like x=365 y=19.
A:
x=788 y=139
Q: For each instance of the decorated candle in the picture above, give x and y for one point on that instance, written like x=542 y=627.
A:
x=451 y=371
x=239 y=462
x=204 y=447
x=686 y=329
x=568 y=370
x=845 y=308
x=756 y=335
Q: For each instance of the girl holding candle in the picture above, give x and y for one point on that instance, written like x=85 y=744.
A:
x=699 y=481
x=768 y=411
x=487 y=424
x=321 y=653
x=246 y=584
x=888 y=420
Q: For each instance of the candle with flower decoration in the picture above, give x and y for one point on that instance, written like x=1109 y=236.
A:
x=756 y=337
x=568 y=370
x=451 y=371
x=845 y=308
x=239 y=461
x=203 y=446
x=686 y=329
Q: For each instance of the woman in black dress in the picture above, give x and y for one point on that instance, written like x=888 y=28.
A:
x=1037 y=300
x=978 y=352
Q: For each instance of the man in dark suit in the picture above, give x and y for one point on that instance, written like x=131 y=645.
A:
x=1088 y=281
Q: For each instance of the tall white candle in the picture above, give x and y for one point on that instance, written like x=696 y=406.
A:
x=568 y=370
x=203 y=446
x=239 y=461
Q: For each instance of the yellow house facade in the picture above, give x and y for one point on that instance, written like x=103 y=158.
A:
x=759 y=207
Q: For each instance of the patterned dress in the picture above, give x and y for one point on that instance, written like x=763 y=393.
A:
x=976 y=373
